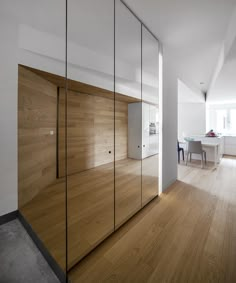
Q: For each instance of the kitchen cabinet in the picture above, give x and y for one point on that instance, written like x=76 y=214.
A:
x=230 y=145
x=143 y=135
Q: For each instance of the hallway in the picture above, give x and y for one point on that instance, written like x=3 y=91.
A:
x=186 y=235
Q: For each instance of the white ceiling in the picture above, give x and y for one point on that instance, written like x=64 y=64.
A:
x=191 y=30
x=187 y=94
x=224 y=89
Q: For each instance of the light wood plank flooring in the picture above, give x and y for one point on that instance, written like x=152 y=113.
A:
x=90 y=206
x=188 y=234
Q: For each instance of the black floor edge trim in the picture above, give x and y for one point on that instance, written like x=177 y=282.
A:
x=8 y=217
x=50 y=260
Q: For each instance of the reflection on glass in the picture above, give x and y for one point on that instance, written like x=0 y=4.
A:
x=150 y=116
x=128 y=138
x=221 y=120
x=90 y=125
x=233 y=121
x=74 y=130
x=41 y=57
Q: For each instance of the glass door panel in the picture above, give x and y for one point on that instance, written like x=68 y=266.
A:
x=40 y=38
x=150 y=116
x=128 y=113
x=90 y=125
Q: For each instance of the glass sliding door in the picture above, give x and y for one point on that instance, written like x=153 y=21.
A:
x=90 y=125
x=128 y=114
x=150 y=116
x=40 y=47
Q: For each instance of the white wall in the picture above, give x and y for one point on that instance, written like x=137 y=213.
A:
x=189 y=94
x=189 y=116
x=8 y=115
x=191 y=111
x=170 y=95
x=191 y=119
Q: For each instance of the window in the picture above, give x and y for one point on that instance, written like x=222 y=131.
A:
x=223 y=119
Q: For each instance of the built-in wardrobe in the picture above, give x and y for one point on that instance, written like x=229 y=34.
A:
x=89 y=113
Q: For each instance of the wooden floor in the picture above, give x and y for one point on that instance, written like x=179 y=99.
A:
x=95 y=207
x=188 y=234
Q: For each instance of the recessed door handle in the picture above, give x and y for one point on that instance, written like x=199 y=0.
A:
x=144 y=145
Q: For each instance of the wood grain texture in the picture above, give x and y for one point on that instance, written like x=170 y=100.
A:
x=90 y=210
x=121 y=130
x=41 y=197
x=90 y=207
x=82 y=87
x=98 y=202
x=91 y=203
x=46 y=214
x=127 y=189
x=37 y=116
x=150 y=174
x=90 y=131
x=188 y=234
x=61 y=134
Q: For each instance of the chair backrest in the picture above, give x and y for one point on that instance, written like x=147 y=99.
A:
x=177 y=145
x=195 y=146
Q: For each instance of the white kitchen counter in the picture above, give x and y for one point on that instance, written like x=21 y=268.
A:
x=210 y=150
x=227 y=145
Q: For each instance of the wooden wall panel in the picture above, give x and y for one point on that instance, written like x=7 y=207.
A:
x=121 y=130
x=90 y=131
x=61 y=151
x=37 y=116
x=82 y=87
x=41 y=195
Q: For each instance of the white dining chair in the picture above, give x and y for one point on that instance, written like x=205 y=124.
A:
x=196 y=148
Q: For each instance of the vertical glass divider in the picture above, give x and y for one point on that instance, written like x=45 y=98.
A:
x=114 y=110
x=66 y=89
x=142 y=112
